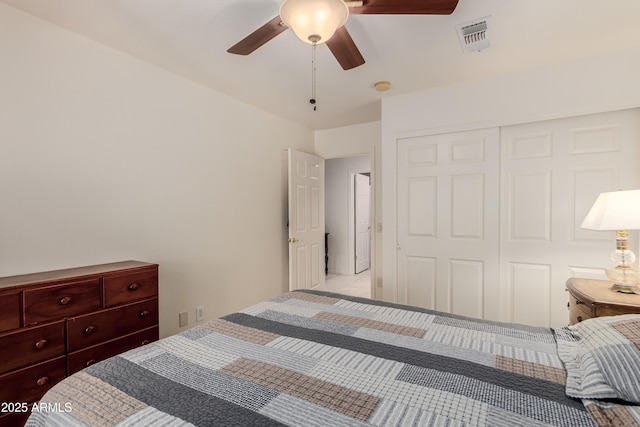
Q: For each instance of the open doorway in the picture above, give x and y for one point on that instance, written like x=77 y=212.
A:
x=347 y=224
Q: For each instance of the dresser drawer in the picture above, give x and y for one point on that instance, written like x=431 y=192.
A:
x=578 y=310
x=29 y=384
x=81 y=359
x=17 y=419
x=89 y=329
x=9 y=311
x=604 y=309
x=130 y=287
x=58 y=302
x=577 y=316
x=31 y=345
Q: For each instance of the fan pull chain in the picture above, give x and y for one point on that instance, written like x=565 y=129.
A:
x=313 y=77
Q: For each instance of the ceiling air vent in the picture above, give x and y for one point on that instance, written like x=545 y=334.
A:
x=474 y=35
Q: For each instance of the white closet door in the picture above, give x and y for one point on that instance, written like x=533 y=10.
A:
x=552 y=172
x=447 y=210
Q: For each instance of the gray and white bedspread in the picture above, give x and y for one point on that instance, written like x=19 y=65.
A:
x=318 y=359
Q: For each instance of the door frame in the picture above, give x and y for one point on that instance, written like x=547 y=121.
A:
x=352 y=221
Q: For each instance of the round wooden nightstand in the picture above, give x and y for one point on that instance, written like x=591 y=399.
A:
x=594 y=298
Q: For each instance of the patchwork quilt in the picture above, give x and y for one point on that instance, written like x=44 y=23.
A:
x=310 y=358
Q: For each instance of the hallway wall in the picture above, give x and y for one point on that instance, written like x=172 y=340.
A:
x=338 y=209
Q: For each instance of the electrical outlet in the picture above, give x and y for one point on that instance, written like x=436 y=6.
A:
x=200 y=313
x=183 y=319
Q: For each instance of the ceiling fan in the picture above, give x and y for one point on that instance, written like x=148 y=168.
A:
x=338 y=39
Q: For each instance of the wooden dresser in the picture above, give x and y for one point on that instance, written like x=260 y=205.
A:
x=594 y=298
x=55 y=323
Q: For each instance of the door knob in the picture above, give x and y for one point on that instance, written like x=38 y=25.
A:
x=293 y=240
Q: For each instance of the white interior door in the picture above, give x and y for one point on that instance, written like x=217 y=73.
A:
x=306 y=220
x=447 y=213
x=467 y=203
x=363 y=224
x=552 y=172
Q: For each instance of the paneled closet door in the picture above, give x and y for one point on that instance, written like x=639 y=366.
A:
x=448 y=242
x=552 y=172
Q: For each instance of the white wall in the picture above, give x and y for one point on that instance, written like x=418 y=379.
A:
x=348 y=140
x=603 y=83
x=339 y=209
x=106 y=158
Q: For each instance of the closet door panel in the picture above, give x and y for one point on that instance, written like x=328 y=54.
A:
x=551 y=173
x=447 y=249
x=529 y=298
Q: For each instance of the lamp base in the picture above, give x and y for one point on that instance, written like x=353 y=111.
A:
x=625 y=278
x=625 y=288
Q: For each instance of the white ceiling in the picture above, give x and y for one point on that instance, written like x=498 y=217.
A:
x=190 y=38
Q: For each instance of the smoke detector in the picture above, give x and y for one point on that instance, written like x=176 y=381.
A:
x=474 y=35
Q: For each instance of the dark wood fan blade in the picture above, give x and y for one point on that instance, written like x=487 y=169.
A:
x=406 y=7
x=344 y=49
x=259 y=37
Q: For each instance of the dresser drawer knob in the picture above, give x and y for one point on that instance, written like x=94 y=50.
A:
x=40 y=344
x=143 y=314
x=89 y=330
x=66 y=300
x=133 y=286
x=90 y=362
x=145 y=342
x=42 y=381
x=578 y=302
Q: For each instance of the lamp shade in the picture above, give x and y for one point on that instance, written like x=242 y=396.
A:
x=615 y=210
x=314 y=21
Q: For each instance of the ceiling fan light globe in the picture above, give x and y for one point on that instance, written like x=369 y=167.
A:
x=314 y=21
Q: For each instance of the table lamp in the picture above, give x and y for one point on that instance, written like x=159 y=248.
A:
x=618 y=211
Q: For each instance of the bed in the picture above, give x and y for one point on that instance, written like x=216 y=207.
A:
x=311 y=358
